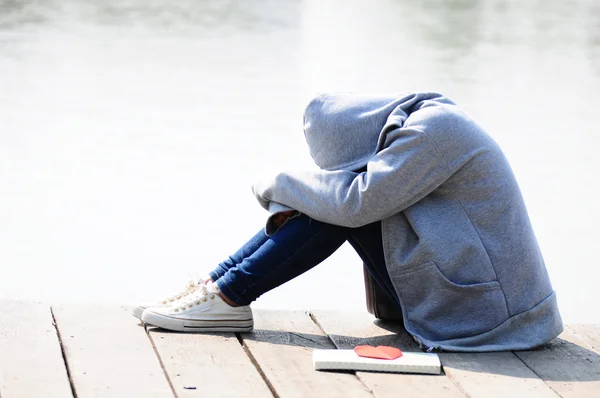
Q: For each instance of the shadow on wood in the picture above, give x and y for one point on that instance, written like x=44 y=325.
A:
x=565 y=359
x=294 y=339
x=562 y=360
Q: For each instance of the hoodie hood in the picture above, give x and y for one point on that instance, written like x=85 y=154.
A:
x=344 y=131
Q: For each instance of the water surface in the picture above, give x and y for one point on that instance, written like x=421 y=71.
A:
x=131 y=131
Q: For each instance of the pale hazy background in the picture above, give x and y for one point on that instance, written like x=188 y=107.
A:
x=131 y=130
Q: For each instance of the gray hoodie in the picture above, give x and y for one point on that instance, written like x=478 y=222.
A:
x=458 y=243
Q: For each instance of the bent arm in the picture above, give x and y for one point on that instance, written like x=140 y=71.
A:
x=398 y=176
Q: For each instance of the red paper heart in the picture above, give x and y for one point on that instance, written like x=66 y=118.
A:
x=379 y=352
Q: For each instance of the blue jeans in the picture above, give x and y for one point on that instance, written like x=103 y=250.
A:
x=266 y=262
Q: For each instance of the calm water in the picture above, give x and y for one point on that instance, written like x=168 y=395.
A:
x=131 y=131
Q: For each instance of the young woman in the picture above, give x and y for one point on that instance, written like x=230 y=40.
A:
x=430 y=204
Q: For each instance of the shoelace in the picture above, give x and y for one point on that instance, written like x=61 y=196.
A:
x=189 y=288
x=201 y=295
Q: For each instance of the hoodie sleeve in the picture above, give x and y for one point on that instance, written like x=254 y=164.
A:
x=402 y=173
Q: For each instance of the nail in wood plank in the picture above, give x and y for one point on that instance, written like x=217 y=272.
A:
x=215 y=363
x=348 y=330
x=282 y=343
x=567 y=365
x=31 y=363
x=109 y=353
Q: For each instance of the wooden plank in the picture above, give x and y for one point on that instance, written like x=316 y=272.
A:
x=588 y=334
x=109 y=353
x=215 y=363
x=567 y=365
x=31 y=362
x=282 y=344
x=348 y=330
x=493 y=374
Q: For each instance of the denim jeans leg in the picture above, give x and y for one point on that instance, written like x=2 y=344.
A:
x=245 y=251
x=368 y=243
x=296 y=247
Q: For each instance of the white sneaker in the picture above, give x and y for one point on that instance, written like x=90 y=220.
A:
x=202 y=311
x=189 y=288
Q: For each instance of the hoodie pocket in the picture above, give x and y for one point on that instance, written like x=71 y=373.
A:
x=439 y=309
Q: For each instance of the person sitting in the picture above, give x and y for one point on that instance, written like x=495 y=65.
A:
x=430 y=204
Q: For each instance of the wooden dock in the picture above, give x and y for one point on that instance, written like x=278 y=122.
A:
x=77 y=351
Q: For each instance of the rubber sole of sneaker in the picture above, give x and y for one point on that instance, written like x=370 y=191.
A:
x=138 y=310
x=190 y=325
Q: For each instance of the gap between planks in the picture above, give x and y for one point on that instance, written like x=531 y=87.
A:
x=316 y=322
x=256 y=365
x=160 y=361
x=62 y=352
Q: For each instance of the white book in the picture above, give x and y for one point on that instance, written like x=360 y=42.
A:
x=409 y=362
